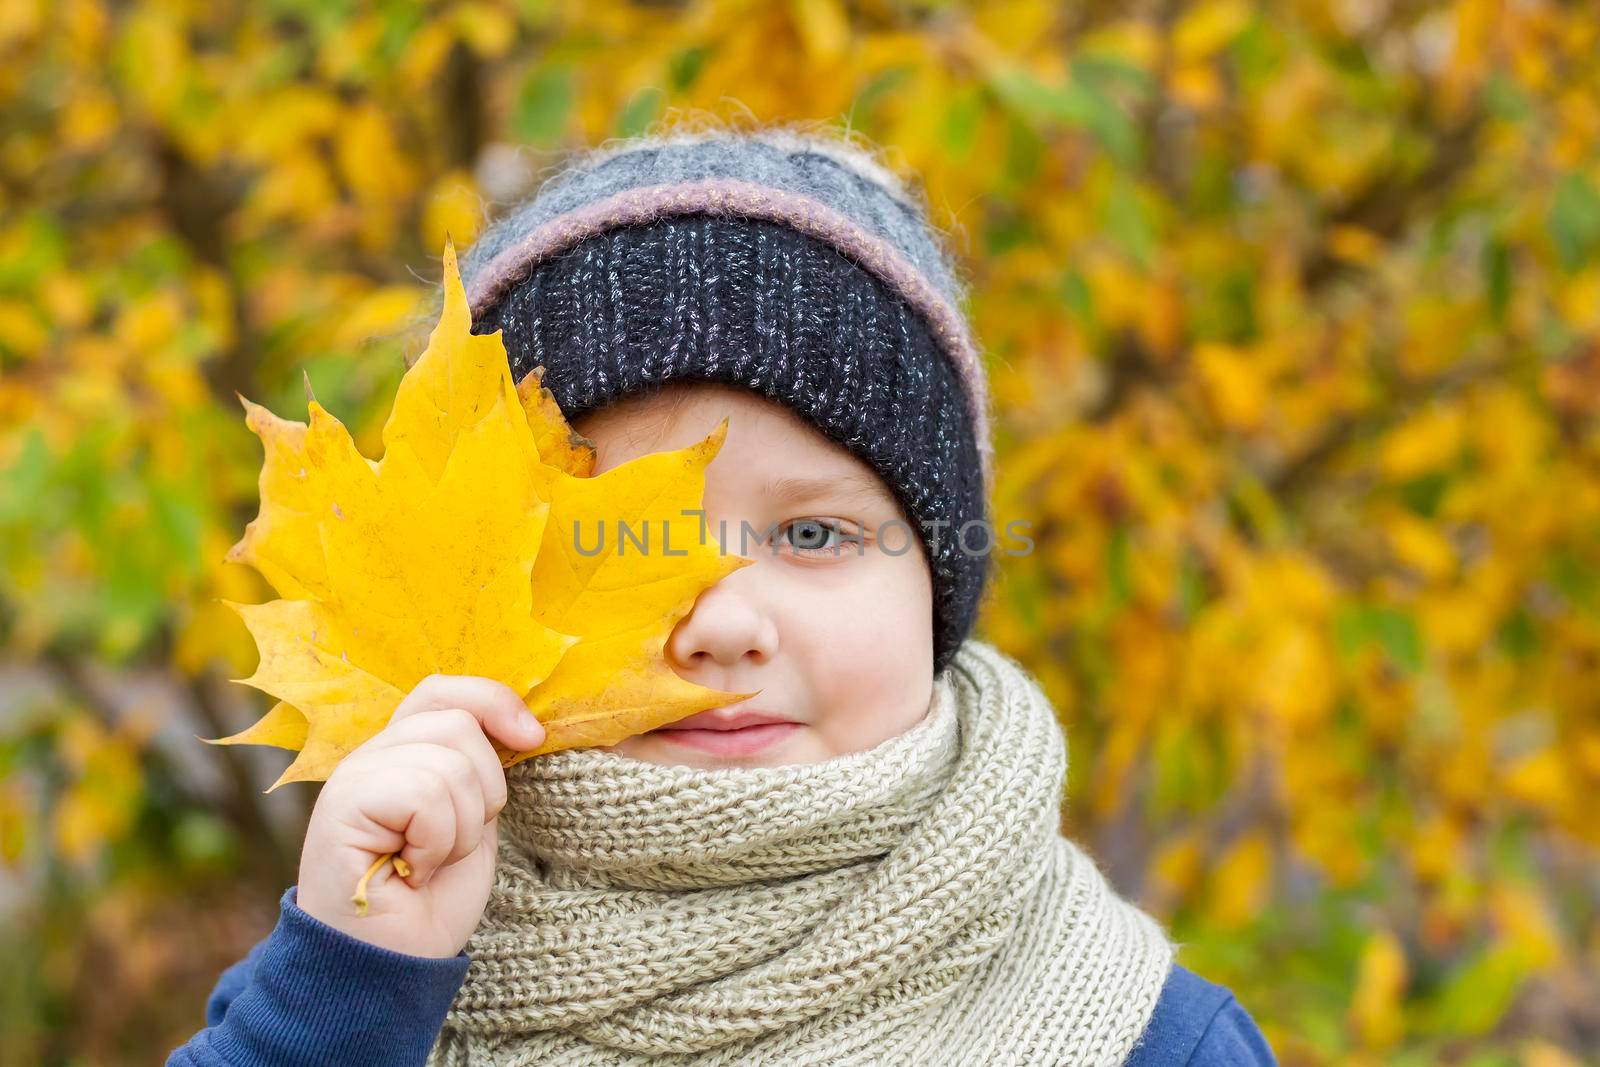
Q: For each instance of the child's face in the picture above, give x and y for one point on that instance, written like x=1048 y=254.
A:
x=841 y=644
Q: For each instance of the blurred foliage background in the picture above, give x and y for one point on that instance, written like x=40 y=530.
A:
x=1293 y=315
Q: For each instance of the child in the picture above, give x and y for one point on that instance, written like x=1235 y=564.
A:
x=874 y=872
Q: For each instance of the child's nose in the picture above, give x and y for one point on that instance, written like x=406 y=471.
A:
x=727 y=625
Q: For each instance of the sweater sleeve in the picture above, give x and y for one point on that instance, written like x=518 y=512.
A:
x=1233 y=1040
x=309 y=994
x=1198 y=1023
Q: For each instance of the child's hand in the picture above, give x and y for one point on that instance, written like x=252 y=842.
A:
x=430 y=787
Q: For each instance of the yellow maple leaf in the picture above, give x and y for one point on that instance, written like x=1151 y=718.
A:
x=458 y=553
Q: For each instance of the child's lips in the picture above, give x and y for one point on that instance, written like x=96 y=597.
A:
x=744 y=741
x=728 y=718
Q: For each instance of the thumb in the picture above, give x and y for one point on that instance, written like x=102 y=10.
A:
x=525 y=734
x=533 y=729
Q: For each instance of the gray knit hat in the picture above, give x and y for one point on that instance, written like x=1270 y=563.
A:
x=791 y=264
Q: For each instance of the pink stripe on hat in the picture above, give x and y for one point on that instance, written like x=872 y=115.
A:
x=729 y=196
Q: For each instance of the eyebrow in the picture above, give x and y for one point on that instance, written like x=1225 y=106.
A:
x=846 y=486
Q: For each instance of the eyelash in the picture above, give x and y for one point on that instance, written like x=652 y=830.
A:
x=832 y=525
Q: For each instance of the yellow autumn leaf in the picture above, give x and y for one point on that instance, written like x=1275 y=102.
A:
x=590 y=578
x=1234 y=384
x=458 y=553
x=1539 y=780
x=1376 y=1009
x=1240 y=881
x=1426 y=442
x=1177 y=865
x=1207 y=27
x=1355 y=244
x=17 y=817
x=823 y=27
x=1418 y=544
x=452 y=206
x=558 y=444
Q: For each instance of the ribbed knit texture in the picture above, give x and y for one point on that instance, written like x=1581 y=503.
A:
x=826 y=187
x=911 y=904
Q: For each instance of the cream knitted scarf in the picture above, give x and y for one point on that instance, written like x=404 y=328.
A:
x=911 y=904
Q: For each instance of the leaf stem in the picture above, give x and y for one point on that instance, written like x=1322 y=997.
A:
x=401 y=867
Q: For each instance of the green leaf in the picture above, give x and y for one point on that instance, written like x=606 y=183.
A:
x=685 y=65
x=42 y=251
x=543 y=105
x=1478 y=996
x=1574 y=221
x=1394 y=631
x=24 y=480
x=1497 y=278
x=1119 y=567
x=1075 y=294
x=1104 y=70
x=201 y=840
x=1505 y=99
x=1577 y=580
x=959 y=130
x=1125 y=218
x=1006 y=228
x=1401 y=639
x=1424 y=493
x=400 y=25
x=1191 y=591
x=1078 y=104
x=876 y=88
x=640 y=110
x=1517 y=634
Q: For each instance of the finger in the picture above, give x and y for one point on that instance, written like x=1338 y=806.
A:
x=491 y=838
x=454 y=728
x=416 y=804
x=494 y=704
x=464 y=799
x=466 y=796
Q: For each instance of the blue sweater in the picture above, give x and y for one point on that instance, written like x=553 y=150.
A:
x=309 y=994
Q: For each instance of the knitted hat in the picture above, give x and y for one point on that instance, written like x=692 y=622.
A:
x=790 y=264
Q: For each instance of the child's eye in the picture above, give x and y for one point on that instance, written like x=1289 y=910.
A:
x=812 y=536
